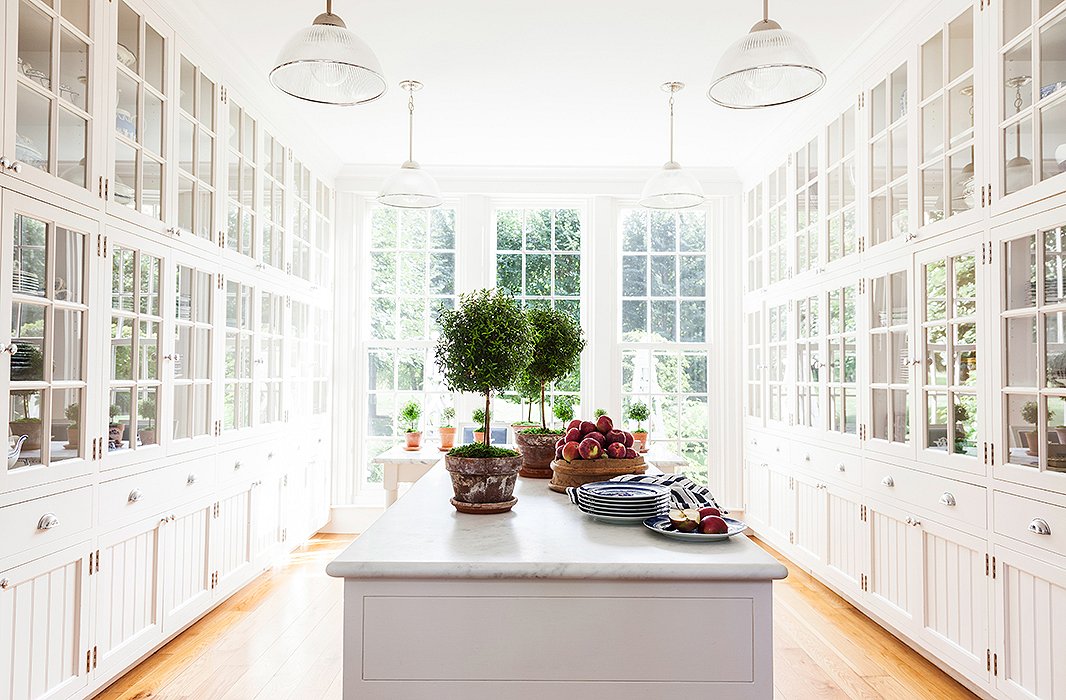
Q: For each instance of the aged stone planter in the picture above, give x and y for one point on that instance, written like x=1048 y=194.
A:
x=483 y=484
x=538 y=451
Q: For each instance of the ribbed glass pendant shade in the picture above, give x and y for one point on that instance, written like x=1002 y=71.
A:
x=672 y=188
x=767 y=67
x=328 y=64
x=410 y=187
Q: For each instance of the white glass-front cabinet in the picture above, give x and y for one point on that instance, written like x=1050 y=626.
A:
x=47 y=359
x=890 y=370
x=192 y=359
x=886 y=110
x=199 y=115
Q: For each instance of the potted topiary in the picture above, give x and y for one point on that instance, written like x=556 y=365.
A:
x=23 y=424
x=526 y=393
x=146 y=410
x=447 y=429
x=478 y=416
x=639 y=412
x=1031 y=415
x=484 y=343
x=409 y=416
x=73 y=415
x=557 y=345
x=563 y=409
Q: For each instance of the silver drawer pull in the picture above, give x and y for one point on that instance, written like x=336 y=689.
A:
x=4 y=583
x=946 y=499
x=1039 y=526
x=10 y=348
x=191 y=479
x=135 y=495
x=888 y=481
x=841 y=467
x=914 y=522
x=47 y=521
x=236 y=466
x=270 y=455
x=806 y=458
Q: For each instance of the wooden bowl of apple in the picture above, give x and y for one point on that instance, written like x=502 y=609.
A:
x=590 y=452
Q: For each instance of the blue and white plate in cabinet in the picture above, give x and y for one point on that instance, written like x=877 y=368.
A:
x=661 y=524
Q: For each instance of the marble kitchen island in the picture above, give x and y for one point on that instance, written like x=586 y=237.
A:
x=544 y=602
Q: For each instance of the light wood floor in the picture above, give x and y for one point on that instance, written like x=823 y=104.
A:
x=280 y=638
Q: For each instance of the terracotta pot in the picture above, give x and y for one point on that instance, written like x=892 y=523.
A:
x=479 y=436
x=483 y=485
x=643 y=438
x=1032 y=441
x=584 y=471
x=147 y=437
x=447 y=439
x=414 y=441
x=73 y=438
x=32 y=431
x=538 y=451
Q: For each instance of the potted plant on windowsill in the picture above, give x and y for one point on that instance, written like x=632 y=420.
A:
x=563 y=409
x=409 y=416
x=146 y=410
x=24 y=425
x=73 y=415
x=557 y=345
x=447 y=429
x=526 y=392
x=478 y=416
x=639 y=412
x=1031 y=415
x=484 y=343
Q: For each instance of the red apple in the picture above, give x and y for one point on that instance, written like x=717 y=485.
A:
x=713 y=525
x=604 y=424
x=598 y=437
x=560 y=442
x=631 y=453
x=628 y=438
x=571 y=451
x=708 y=510
x=590 y=449
x=616 y=436
x=573 y=435
x=559 y=452
x=587 y=427
x=576 y=423
x=616 y=450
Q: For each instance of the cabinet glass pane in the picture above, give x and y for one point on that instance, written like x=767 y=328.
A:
x=32 y=127
x=932 y=65
x=192 y=353
x=1053 y=136
x=71 y=151
x=74 y=69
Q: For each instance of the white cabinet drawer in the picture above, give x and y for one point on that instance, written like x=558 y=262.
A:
x=826 y=463
x=141 y=495
x=773 y=447
x=36 y=524
x=1040 y=524
x=929 y=492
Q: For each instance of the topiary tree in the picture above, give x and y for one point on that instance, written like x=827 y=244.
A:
x=563 y=408
x=484 y=344
x=557 y=345
x=446 y=417
x=600 y=412
x=409 y=416
x=478 y=416
x=527 y=388
x=639 y=412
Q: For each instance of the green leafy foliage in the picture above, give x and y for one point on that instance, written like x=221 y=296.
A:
x=409 y=416
x=638 y=412
x=557 y=344
x=447 y=417
x=484 y=344
x=541 y=431
x=481 y=451
x=73 y=414
x=563 y=408
x=600 y=412
x=1031 y=413
x=478 y=416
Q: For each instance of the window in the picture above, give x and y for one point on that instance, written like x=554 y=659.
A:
x=237 y=400
x=243 y=199
x=890 y=357
x=272 y=242
x=664 y=328
x=303 y=221
x=807 y=214
x=269 y=362
x=48 y=309
x=888 y=158
x=133 y=350
x=323 y=265
x=538 y=259
x=777 y=362
x=755 y=238
x=777 y=225
x=412 y=276
x=753 y=395
x=196 y=152
x=947 y=112
x=840 y=177
x=840 y=347
x=193 y=328
x=808 y=363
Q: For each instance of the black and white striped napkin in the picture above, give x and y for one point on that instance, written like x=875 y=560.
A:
x=684 y=492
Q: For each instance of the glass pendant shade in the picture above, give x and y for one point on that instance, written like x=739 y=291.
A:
x=410 y=187
x=672 y=188
x=328 y=64
x=768 y=67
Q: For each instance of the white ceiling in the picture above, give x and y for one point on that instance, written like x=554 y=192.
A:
x=543 y=82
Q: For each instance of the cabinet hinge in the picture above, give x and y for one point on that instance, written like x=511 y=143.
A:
x=94 y=657
x=995 y=665
x=987 y=559
x=791 y=537
x=988 y=659
x=993 y=567
x=221 y=281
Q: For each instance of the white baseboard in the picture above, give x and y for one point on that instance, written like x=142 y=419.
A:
x=352 y=519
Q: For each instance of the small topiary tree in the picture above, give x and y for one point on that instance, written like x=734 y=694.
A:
x=527 y=388
x=563 y=408
x=409 y=416
x=638 y=412
x=478 y=416
x=446 y=417
x=557 y=345
x=600 y=412
x=484 y=344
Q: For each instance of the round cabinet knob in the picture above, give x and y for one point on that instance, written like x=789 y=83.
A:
x=4 y=162
x=841 y=467
x=135 y=495
x=10 y=348
x=4 y=583
x=16 y=166
x=888 y=481
x=236 y=466
x=47 y=521
x=191 y=479
x=806 y=458
x=947 y=499
x=1039 y=526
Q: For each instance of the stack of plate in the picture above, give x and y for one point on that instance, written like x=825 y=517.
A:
x=622 y=502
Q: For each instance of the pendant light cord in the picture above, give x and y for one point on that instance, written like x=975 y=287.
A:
x=329 y=7
x=765 y=10
x=411 y=123
x=671 y=127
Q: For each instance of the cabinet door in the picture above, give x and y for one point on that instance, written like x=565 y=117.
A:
x=757 y=497
x=46 y=359
x=955 y=596
x=1030 y=598
x=780 y=504
x=846 y=540
x=891 y=366
x=894 y=582
x=186 y=565
x=126 y=594
x=231 y=540
x=44 y=625
x=54 y=97
x=194 y=364
x=268 y=509
x=809 y=532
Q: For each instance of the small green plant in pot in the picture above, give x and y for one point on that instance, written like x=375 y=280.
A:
x=557 y=346
x=484 y=344
x=409 y=417
x=478 y=416
x=22 y=423
x=73 y=415
x=1031 y=415
x=447 y=429
x=638 y=412
x=526 y=391
x=563 y=409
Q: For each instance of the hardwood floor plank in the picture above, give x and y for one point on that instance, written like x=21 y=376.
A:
x=280 y=639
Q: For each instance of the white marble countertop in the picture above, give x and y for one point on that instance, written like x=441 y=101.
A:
x=543 y=537
x=428 y=453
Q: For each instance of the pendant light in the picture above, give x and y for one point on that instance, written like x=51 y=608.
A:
x=410 y=187
x=963 y=186
x=1018 y=172
x=765 y=68
x=328 y=64
x=672 y=187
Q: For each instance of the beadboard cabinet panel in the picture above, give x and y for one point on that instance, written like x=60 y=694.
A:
x=846 y=540
x=186 y=565
x=894 y=568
